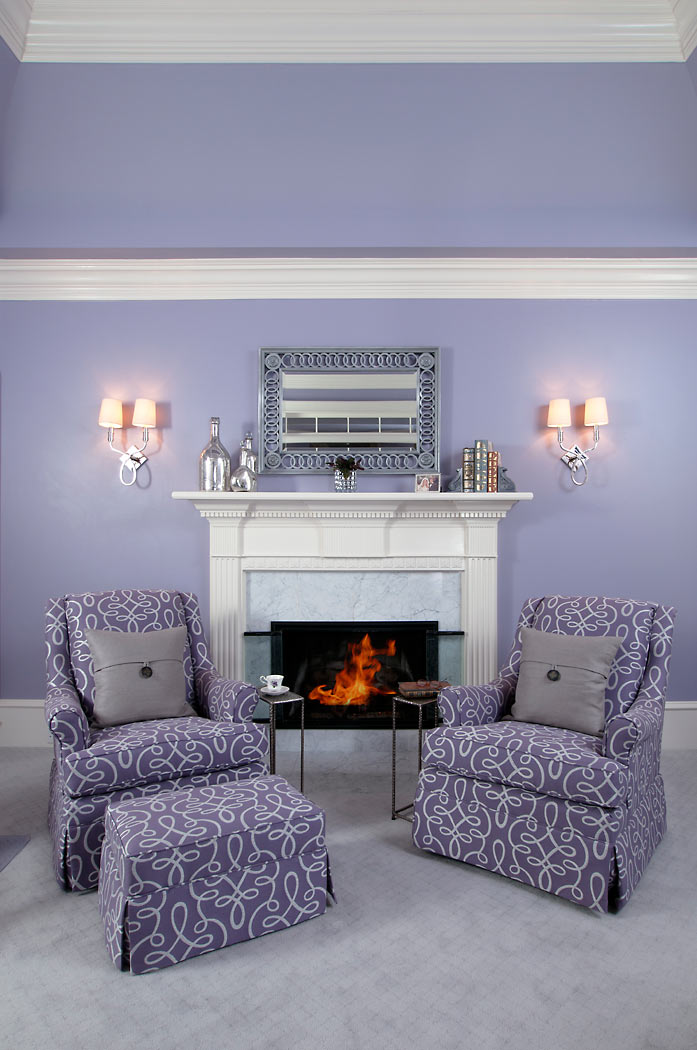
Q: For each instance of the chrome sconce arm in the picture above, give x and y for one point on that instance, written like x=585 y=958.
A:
x=132 y=458
x=111 y=417
x=575 y=457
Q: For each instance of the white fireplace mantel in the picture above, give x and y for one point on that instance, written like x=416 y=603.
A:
x=340 y=532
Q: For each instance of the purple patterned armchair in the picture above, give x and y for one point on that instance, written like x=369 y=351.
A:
x=572 y=814
x=92 y=766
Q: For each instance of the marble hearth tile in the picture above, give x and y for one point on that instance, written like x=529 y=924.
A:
x=352 y=596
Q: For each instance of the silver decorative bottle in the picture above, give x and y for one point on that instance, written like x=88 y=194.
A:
x=244 y=478
x=214 y=464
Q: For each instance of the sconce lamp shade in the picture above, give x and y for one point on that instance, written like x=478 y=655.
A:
x=111 y=413
x=596 y=412
x=144 y=413
x=559 y=414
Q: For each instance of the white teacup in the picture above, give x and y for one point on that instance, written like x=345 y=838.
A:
x=273 y=682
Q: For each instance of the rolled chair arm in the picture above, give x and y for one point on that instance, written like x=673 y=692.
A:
x=643 y=721
x=625 y=732
x=634 y=740
x=469 y=705
x=65 y=718
x=223 y=699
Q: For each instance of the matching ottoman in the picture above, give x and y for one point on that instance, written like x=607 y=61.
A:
x=186 y=872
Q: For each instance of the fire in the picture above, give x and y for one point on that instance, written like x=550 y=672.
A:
x=354 y=684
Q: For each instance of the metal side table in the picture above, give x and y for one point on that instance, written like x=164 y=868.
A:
x=273 y=700
x=419 y=702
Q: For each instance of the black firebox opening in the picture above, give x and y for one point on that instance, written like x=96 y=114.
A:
x=348 y=672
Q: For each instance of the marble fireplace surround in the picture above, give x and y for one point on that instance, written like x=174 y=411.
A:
x=396 y=532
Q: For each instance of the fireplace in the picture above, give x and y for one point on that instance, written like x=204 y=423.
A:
x=291 y=537
x=349 y=671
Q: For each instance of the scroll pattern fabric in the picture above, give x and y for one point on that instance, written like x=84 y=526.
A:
x=188 y=872
x=221 y=698
x=553 y=761
x=571 y=814
x=92 y=763
x=65 y=716
x=479 y=704
x=595 y=617
x=526 y=846
x=644 y=719
x=136 y=611
x=77 y=824
x=632 y=621
x=145 y=752
x=218 y=698
x=646 y=826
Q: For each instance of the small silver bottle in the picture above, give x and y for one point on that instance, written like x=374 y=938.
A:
x=214 y=464
x=244 y=478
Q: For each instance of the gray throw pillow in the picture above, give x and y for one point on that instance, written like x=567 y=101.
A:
x=562 y=680
x=138 y=676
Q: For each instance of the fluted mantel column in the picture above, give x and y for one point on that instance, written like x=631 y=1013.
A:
x=340 y=532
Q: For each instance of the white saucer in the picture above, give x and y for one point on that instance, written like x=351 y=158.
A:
x=276 y=692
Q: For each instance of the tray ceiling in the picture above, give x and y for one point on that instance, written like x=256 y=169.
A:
x=350 y=30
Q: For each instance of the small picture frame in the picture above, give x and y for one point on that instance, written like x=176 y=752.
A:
x=427 y=483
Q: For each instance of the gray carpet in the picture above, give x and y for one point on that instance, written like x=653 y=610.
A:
x=419 y=952
x=10 y=846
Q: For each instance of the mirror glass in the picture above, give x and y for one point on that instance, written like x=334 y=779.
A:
x=379 y=404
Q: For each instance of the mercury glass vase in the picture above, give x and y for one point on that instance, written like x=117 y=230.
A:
x=214 y=463
x=344 y=482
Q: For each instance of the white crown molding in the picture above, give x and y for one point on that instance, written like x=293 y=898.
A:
x=14 y=20
x=685 y=12
x=110 y=280
x=353 y=31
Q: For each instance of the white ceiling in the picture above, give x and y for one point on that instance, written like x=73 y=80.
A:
x=350 y=30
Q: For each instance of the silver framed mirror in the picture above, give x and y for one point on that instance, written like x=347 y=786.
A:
x=381 y=404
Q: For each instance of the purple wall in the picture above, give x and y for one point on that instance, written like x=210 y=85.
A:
x=9 y=67
x=691 y=66
x=69 y=525
x=419 y=155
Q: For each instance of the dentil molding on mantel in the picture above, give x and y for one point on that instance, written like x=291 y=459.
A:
x=356 y=504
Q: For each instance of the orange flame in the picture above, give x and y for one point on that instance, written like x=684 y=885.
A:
x=354 y=684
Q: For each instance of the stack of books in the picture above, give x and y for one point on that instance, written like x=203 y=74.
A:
x=421 y=690
x=480 y=468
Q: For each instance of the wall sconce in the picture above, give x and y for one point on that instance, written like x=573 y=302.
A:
x=111 y=417
x=595 y=416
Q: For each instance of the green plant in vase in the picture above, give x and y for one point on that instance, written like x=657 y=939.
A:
x=345 y=468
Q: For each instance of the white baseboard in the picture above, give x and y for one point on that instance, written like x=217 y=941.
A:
x=22 y=725
x=680 y=726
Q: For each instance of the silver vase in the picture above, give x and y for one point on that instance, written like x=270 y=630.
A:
x=214 y=463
